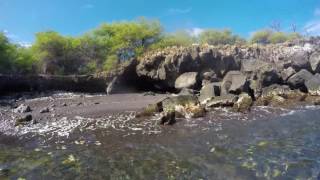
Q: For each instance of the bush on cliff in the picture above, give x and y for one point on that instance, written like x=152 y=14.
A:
x=268 y=36
x=216 y=37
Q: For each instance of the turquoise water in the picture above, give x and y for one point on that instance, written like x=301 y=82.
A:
x=262 y=145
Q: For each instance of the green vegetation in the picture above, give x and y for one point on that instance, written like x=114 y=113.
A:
x=215 y=37
x=107 y=46
x=268 y=36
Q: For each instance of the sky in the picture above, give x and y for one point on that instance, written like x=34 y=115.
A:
x=21 y=19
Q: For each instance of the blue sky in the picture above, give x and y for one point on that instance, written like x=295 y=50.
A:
x=21 y=19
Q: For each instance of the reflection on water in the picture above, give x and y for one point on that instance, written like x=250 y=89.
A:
x=266 y=144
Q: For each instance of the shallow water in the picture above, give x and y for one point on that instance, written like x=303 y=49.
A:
x=268 y=143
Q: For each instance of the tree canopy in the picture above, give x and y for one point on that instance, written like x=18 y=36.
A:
x=110 y=44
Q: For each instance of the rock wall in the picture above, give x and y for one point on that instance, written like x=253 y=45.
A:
x=262 y=66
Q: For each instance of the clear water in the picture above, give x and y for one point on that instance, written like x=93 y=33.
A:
x=266 y=144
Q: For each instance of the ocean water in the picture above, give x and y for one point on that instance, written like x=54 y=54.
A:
x=267 y=143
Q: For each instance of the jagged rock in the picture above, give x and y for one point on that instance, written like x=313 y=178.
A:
x=23 y=120
x=44 y=110
x=243 y=103
x=313 y=85
x=22 y=109
x=222 y=101
x=287 y=73
x=209 y=91
x=315 y=62
x=187 y=80
x=297 y=81
x=234 y=82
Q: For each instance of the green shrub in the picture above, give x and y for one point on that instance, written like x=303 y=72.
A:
x=261 y=37
x=216 y=37
x=278 y=37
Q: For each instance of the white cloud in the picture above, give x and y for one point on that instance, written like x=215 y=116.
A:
x=195 y=31
x=313 y=28
x=179 y=11
x=88 y=6
x=25 y=44
x=10 y=35
x=317 y=12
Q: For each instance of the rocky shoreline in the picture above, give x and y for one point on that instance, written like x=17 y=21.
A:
x=201 y=78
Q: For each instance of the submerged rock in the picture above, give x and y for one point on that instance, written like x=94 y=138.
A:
x=23 y=120
x=44 y=110
x=22 y=109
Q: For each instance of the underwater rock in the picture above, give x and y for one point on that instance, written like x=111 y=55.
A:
x=23 y=120
x=22 y=109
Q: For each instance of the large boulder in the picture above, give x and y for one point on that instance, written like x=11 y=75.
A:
x=188 y=80
x=313 y=85
x=287 y=73
x=300 y=60
x=315 y=62
x=234 y=82
x=209 y=91
x=297 y=81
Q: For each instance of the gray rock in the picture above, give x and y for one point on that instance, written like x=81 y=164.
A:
x=44 y=110
x=23 y=120
x=315 y=62
x=22 y=109
x=209 y=91
x=300 y=60
x=234 y=82
x=313 y=85
x=287 y=73
x=222 y=101
x=187 y=80
x=297 y=81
